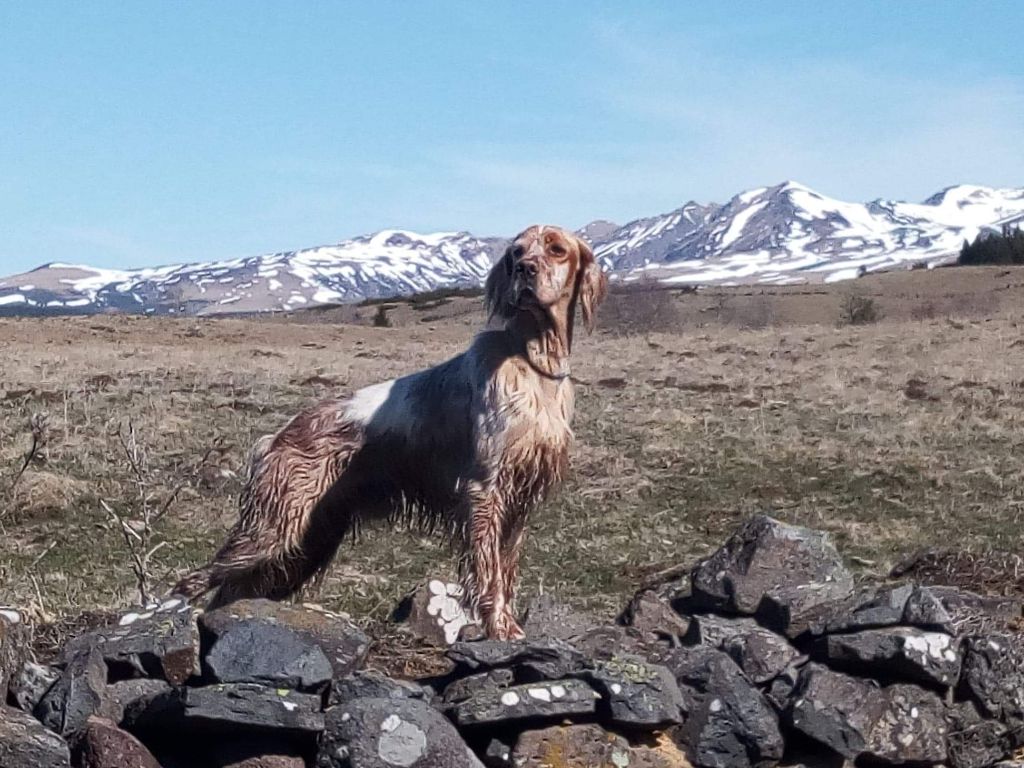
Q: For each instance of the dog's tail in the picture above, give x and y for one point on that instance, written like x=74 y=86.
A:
x=285 y=534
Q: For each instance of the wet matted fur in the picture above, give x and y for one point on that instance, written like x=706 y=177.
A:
x=467 y=448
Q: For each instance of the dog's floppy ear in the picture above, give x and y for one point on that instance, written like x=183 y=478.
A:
x=497 y=286
x=593 y=285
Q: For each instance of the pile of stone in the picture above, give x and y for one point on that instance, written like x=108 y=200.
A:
x=767 y=653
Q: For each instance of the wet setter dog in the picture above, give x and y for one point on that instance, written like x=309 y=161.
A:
x=468 y=447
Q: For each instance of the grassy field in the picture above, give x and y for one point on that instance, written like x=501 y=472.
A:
x=695 y=410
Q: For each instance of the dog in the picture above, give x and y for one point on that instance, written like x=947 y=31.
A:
x=469 y=447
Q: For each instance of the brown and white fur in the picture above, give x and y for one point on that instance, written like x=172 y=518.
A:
x=468 y=447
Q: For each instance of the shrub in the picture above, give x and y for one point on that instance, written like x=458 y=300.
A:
x=858 y=310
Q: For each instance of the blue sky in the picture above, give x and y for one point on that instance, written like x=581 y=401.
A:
x=138 y=133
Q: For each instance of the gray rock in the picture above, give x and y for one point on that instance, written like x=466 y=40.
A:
x=388 y=733
x=728 y=723
x=483 y=682
x=545 y=617
x=368 y=684
x=15 y=644
x=904 y=653
x=858 y=719
x=434 y=613
x=785 y=573
x=77 y=694
x=32 y=683
x=975 y=742
x=549 y=659
x=759 y=652
x=651 y=613
x=125 y=694
x=103 y=745
x=246 y=706
x=343 y=644
x=610 y=640
x=498 y=754
x=159 y=640
x=872 y=608
x=993 y=678
x=953 y=610
x=25 y=743
x=636 y=694
x=547 y=700
x=257 y=651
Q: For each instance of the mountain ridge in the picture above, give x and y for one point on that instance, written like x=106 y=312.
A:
x=785 y=233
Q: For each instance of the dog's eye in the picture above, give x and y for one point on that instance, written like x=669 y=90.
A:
x=517 y=252
x=557 y=250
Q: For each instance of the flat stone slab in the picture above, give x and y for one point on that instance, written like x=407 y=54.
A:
x=343 y=644
x=539 y=701
x=25 y=743
x=552 y=659
x=906 y=653
x=590 y=746
x=759 y=652
x=635 y=693
x=159 y=640
x=962 y=613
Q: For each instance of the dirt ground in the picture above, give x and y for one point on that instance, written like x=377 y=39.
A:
x=695 y=409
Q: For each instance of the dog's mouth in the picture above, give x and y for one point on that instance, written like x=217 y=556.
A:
x=526 y=296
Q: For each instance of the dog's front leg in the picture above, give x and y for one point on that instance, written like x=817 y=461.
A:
x=484 y=568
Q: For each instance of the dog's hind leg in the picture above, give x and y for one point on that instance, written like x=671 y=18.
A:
x=291 y=516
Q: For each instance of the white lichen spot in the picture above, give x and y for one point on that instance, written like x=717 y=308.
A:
x=12 y=616
x=620 y=759
x=906 y=739
x=391 y=722
x=128 y=618
x=146 y=615
x=346 y=716
x=914 y=712
x=510 y=698
x=616 y=688
x=557 y=691
x=401 y=743
x=170 y=605
x=291 y=706
x=437 y=587
x=716 y=705
x=541 y=694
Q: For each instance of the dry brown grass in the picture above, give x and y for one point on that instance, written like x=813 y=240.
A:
x=681 y=433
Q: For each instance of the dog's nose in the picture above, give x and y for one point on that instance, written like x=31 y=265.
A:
x=528 y=268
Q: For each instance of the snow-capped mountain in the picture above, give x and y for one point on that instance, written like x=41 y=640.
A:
x=782 y=234
x=789 y=233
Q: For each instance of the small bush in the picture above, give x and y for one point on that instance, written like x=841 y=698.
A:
x=380 y=318
x=859 y=310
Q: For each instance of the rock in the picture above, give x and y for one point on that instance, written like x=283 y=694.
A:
x=386 y=733
x=242 y=705
x=498 y=754
x=904 y=653
x=374 y=685
x=547 y=659
x=157 y=641
x=343 y=644
x=975 y=742
x=230 y=708
x=590 y=746
x=533 y=701
x=257 y=651
x=77 y=694
x=15 y=643
x=871 y=609
x=545 y=617
x=609 y=640
x=858 y=719
x=636 y=694
x=953 y=610
x=268 y=761
x=434 y=613
x=256 y=751
x=993 y=678
x=121 y=696
x=103 y=745
x=25 y=743
x=32 y=683
x=483 y=682
x=727 y=722
x=759 y=652
x=784 y=572
x=650 y=613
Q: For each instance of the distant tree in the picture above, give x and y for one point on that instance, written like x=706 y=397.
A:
x=1004 y=248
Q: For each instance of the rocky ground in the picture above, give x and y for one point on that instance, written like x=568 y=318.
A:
x=767 y=652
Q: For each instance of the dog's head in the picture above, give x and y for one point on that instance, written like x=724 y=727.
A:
x=546 y=271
